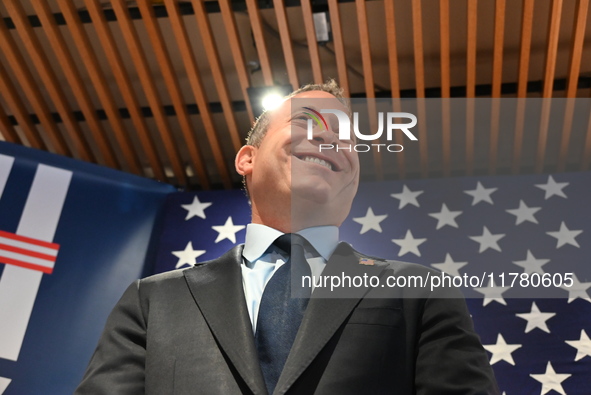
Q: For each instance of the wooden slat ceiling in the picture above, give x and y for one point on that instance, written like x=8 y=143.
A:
x=159 y=88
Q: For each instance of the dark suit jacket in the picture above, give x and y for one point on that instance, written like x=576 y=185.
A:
x=188 y=332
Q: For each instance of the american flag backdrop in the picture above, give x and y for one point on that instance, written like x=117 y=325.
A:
x=537 y=340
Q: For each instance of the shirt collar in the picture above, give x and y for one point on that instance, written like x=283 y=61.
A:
x=259 y=237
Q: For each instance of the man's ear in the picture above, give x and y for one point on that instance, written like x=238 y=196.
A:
x=245 y=160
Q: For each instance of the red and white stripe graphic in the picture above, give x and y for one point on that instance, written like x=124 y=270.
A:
x=30 y=247
x=27 y=252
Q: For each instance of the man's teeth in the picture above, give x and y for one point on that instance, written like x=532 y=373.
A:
x=318 y=161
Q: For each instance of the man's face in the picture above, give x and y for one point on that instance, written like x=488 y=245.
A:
x=289 y=168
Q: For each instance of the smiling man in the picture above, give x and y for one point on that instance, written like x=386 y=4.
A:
x=287 y=174
x=240 y=324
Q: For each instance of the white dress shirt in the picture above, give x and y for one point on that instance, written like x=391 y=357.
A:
x=261 y=259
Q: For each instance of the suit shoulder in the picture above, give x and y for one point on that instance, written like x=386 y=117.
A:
x=163 y=277
x=179 y=274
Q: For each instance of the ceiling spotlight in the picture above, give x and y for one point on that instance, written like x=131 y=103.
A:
x=271 y=101
x=267 y=97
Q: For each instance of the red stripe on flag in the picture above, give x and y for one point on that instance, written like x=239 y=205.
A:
x=26 y=265
x=30 y=253
x=29 y=240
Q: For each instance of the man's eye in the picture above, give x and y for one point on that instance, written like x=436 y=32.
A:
x=301 y=117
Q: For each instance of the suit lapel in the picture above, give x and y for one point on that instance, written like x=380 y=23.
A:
x=217 y=289
x=326 y=312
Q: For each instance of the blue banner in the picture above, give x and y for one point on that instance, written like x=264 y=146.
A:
x=73 y=236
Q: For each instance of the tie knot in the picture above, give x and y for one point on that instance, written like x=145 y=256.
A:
x=286 y=241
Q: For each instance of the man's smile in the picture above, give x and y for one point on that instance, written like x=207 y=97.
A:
x=326 y=162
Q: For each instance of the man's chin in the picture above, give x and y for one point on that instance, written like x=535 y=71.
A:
x=316 y=194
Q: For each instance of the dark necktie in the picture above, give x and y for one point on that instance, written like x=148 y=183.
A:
x=282 y=309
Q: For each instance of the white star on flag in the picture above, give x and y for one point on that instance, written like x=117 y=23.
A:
x=187 y=256
x=531 y=264
x=524 y=213
x=481 y=194
x=565 y=236
x=551 y=380
x=407 y=197
x=492 y=293
x=553 y=188
x=370 y=221
x=488 y=240
x=409 y=244
x=227 y=231
x=445 y=217
x=536 y=319
x=577 y=290
x=583 y=345
x=501 y=351
x=195 y=209
x=449 y=266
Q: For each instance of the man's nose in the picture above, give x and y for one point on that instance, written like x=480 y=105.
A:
x=324 y=136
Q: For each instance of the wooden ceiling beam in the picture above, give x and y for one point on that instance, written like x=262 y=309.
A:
x=497 y=80
x=548 y=87
x=498 y=44
x=194 y=76
x=393 y=66
x=80 y=146
x=527 y=18
x=286 y=45
x=167 y=70
x=66 y=61
x=471 y=35
x=259 y=38
x=444 y=45
x=574 y=68
x=237 y=53
x=444 y=59
x=576 y=51
x=417 y=35
x=472 y=29
x=339 y=46
x=552 y=48
x=312 y=43
x=31 y=90
x=364 y=41
x=368 y=79
x=152 y=95
x=394 y=72
x=7 y=130
x=217 y=72
x=101 y=86
x=16 y=105
x=99 y=82
x=417 y=30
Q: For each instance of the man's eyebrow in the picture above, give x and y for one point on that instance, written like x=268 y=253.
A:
x=304 y=108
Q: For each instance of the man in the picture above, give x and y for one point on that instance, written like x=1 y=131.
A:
x=204 y=330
